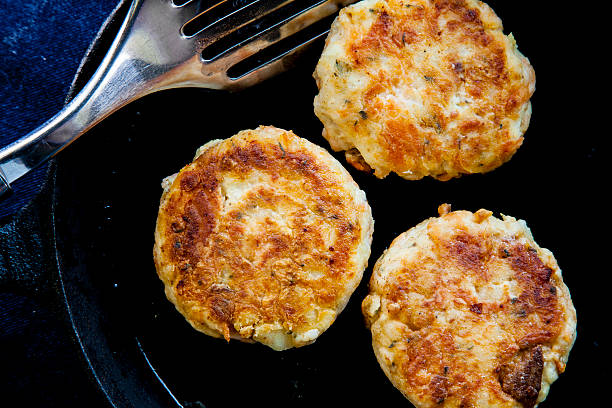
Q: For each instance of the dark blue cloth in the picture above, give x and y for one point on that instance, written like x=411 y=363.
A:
x=41 y=45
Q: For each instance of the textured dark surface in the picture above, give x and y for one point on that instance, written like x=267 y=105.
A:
x=108 y=192
x=113 y=205
x=41 y=46
x=38 y=349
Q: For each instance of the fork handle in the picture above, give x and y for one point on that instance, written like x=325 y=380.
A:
x=118 y=80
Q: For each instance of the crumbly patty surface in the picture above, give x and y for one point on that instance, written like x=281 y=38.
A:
x=466 y=310
x=263 y=237
x=423 y=88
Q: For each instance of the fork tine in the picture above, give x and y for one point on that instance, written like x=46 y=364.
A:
x=228 y=18
x=275 y=33
x=190 y=8
x=272 y=67
x=181 y=3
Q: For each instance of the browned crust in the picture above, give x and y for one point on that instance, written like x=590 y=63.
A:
x=390 y=35
x=451 y=344
x=440 y=143
x=521 y=376
x=228 y=268
x=355 y=159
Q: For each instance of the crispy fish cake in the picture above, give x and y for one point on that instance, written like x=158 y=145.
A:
x=263 y=237
x=466 y=310
x=423 y=88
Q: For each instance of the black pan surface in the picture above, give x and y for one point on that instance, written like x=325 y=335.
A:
x=143 y=353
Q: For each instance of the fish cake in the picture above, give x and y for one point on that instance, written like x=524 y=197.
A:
x=466 y=310
x=423 y=88
x=262 y=238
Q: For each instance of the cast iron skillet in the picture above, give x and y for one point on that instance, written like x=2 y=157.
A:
x=87 y=239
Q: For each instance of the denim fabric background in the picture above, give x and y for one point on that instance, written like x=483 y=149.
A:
x=41 y=45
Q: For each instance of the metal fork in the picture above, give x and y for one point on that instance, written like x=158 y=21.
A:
x=158 y=48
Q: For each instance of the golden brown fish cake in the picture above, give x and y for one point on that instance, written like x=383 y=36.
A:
x=423 y=88
x=466 y=310
x=263 y=237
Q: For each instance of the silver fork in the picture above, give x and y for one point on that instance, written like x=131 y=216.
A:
x=158 y=48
